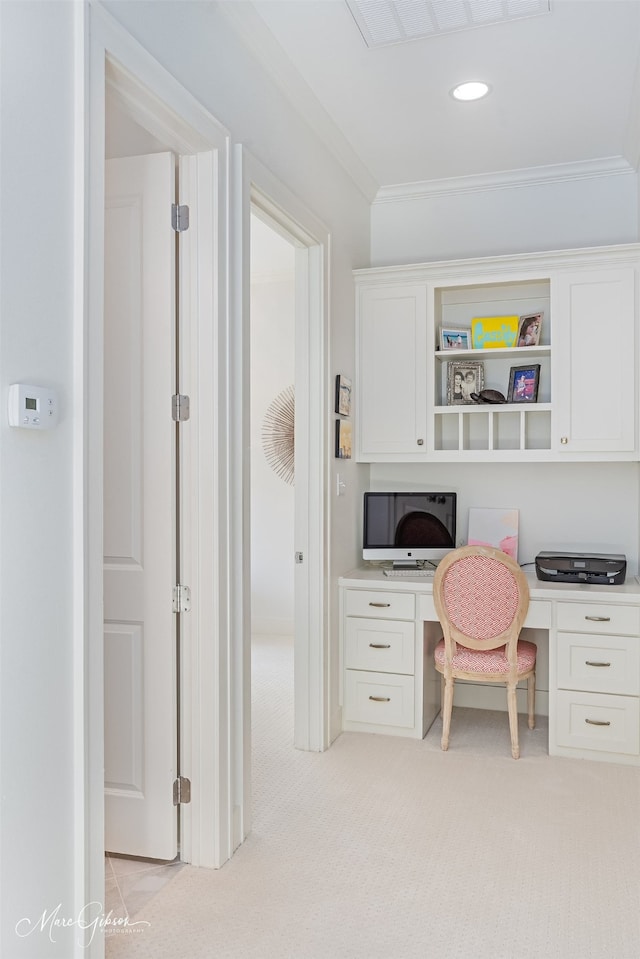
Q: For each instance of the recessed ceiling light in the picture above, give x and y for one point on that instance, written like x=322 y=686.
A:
x=473 y=90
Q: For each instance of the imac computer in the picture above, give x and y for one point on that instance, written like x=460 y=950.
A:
x=409 y=528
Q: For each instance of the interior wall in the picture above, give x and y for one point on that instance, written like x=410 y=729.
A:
x=272 y=370
x=562 y=506
x=38 y=738
x=557 y=215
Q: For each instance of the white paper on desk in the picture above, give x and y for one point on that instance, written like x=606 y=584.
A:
x=494 y=527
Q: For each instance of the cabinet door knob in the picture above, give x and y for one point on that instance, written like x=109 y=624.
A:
x=380 y=605
x=598 y=722
x=598 y=619
x=380 y=699
x=593 y=662
x=420 y=442
x=381 y=646
x=564 y=440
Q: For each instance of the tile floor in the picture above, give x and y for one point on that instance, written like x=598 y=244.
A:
x=131 y=883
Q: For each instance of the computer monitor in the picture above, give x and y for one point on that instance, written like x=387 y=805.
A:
x=408 y=527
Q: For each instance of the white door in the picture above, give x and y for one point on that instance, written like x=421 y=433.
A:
x=139 y=508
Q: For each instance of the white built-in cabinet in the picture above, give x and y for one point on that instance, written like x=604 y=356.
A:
x=587 y=396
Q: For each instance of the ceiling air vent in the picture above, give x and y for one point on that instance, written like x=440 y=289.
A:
x=382 y=22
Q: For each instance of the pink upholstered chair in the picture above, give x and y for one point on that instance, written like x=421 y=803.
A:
x=481 y=597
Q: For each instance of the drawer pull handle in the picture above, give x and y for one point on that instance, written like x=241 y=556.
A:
x=592 y=662
x=380 y=699
x=599 y=619
x=380 y=645
x=598 y=722
x=380 y=605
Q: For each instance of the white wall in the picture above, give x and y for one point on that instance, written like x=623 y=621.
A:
x=36 y=479
x=272 y=370
x=40 y=719
x=556 y=215
x=563 y=506
x=585 y=505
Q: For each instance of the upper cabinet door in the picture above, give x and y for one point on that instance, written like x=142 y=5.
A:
x=391 y=372
x=594 y=361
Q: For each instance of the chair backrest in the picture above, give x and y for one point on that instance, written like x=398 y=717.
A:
x=481 y=597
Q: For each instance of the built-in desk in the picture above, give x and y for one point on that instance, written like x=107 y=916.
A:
x=389 y=630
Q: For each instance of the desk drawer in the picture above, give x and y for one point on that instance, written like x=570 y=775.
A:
x=386 y=647
x=595 y=721
x=608 y=664
x=379 y=699
x=379 y=604
x=598 y=618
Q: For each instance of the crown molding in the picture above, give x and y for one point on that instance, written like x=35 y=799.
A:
x=262 y=44
x=509 y=179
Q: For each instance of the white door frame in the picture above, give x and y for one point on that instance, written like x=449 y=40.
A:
x=257 y=189
x=107 y=54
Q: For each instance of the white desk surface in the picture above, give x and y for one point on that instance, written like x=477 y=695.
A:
x=373 y=576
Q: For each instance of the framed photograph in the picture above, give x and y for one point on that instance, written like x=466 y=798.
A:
x=463 y=379
x=529 y=331
x=523 y=384
x=343 y=439
x=343 y=395
x=451 y=339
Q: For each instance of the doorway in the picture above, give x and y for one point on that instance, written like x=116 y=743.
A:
x=214 y=677
x=273 y=388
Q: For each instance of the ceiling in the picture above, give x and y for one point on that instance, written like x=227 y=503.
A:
x=564 y=89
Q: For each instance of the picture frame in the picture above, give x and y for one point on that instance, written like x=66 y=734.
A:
x=523 y=384
x=529 y=329
x=464 y=377
x=343 y=395
x=344 y=439
x=455 y=339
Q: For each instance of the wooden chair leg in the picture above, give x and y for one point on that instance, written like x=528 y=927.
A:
x=442 y=692
x=446 y=711
x=513 y=719
x=531 y=700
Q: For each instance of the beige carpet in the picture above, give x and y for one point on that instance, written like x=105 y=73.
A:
x=385 y=848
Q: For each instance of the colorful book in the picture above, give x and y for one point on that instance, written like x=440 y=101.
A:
x=494 y=332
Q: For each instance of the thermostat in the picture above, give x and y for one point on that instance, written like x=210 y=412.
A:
x=32 y=407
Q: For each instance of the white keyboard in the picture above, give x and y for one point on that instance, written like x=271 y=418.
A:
x=409 y=572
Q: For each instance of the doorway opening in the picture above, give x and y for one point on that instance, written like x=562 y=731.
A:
x=272 y=418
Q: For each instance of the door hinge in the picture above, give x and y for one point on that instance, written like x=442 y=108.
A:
x=179 y=217
x=180 y=407
x=181 y=790
x=181 y=599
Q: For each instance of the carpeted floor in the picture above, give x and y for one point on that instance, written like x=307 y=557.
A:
x=386 y=848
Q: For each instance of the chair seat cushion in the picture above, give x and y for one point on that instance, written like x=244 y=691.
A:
x=488 y=660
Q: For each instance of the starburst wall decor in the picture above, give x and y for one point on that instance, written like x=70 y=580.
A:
x=278 y=435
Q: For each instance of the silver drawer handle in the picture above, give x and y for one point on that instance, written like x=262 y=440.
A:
x=591 y=662
x=380 y=605
x=599 y=619
x=380 y=645
x=598 y=722
x=380 y=699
